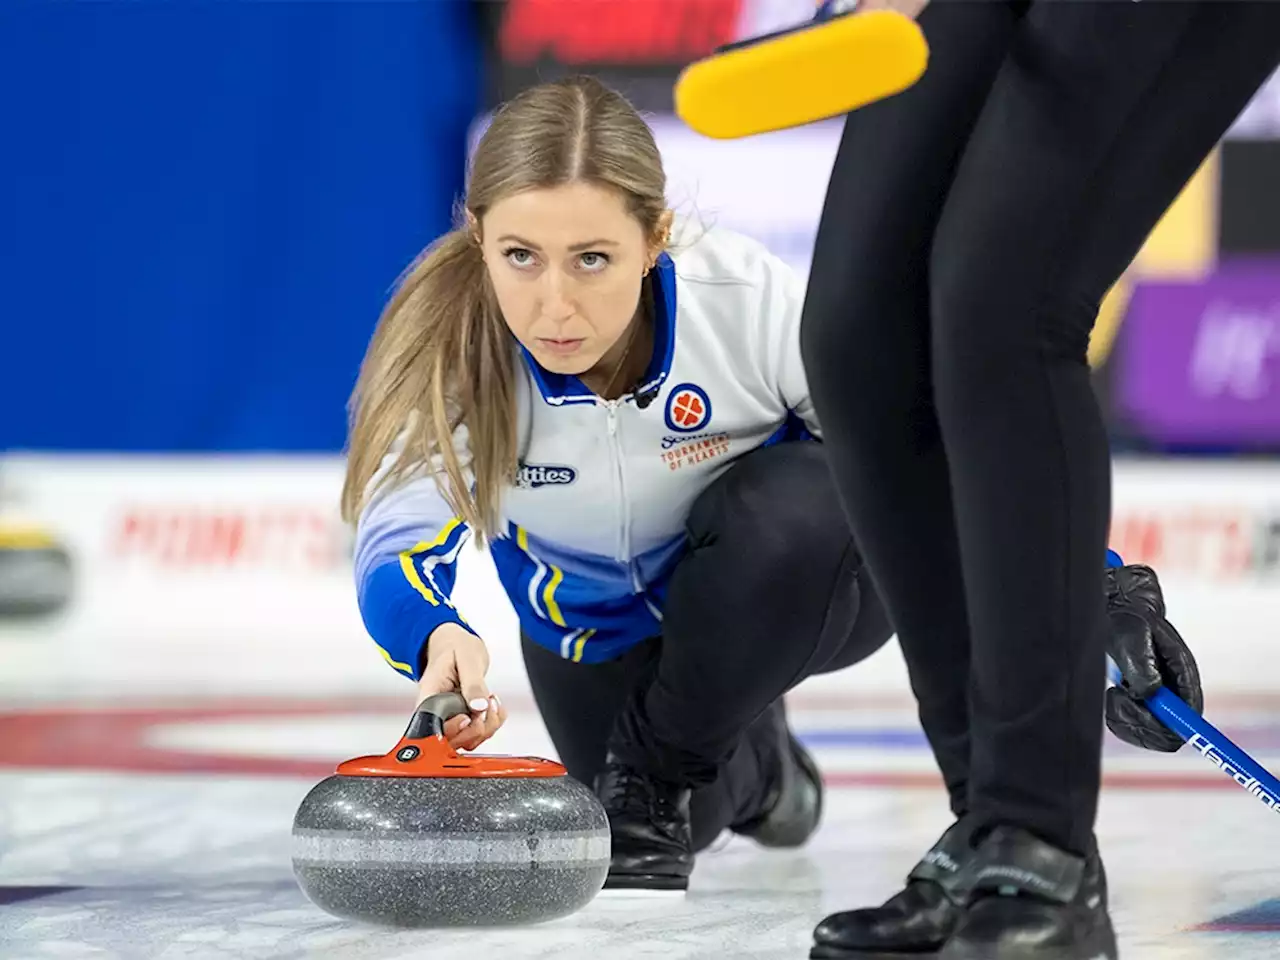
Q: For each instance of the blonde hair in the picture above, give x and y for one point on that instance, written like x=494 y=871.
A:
x=441 y=356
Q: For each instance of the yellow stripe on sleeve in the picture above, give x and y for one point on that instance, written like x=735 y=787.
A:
x=410 y=569
x=402 y=667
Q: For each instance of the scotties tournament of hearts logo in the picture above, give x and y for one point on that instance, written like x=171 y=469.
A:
x=688 y=409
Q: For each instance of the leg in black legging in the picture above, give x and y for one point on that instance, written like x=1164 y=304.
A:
x=865 y=334
x=768 y=594
x=579 y=704
x=1097 y=120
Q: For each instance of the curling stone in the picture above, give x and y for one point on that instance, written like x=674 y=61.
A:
x=35 y=572
x=427 y=837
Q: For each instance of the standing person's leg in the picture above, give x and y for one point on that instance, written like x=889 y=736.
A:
x=1100 y=116
x=865 y=335
x=881 y=434
x=866 y=338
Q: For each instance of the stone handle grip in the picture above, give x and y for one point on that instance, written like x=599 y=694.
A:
x=431 y=714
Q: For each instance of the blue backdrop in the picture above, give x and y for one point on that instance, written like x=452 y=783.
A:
x=203 y=205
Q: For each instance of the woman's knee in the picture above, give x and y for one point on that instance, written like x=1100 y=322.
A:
x=774 y=500
x=867 y=634
x=769 y=544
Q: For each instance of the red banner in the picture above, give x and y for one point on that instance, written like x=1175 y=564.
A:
x=615 y=32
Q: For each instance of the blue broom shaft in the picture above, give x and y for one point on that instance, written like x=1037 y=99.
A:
x=1211 y=743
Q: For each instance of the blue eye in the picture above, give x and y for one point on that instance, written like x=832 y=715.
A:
x=594 y=262
x=515 y=257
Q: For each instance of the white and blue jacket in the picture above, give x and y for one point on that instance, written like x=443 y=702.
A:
x=594 y=526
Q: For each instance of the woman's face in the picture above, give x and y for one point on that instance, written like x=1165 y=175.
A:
x=566 y=264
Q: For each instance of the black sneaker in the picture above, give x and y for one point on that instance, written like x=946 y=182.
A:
x=914 y=923
x=1028 y=900
x=649 y=823
x=793 y=809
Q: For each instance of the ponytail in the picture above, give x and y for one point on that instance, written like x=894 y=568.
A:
x=441 y=358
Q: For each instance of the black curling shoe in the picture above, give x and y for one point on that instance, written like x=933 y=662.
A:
x=1028 y=900
x=649 y=824
x=913 y=924
x=793 y=808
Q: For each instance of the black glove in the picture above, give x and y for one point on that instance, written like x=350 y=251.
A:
x=1150 y=654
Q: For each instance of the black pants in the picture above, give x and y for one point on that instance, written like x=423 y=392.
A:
x=972 y=226
x=770 y=592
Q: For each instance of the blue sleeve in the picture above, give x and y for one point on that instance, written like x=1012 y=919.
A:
x=406 y=553
x=1113 y=559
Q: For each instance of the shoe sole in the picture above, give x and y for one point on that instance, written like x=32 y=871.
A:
x=640 y=893
x=641 y=883
x=1103 y=947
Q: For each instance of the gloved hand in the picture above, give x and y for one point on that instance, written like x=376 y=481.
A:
x=1150 y=654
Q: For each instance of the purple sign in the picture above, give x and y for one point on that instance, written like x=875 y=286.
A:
x=1200 y=361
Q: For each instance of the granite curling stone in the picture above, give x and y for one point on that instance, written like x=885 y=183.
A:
x=428 y=837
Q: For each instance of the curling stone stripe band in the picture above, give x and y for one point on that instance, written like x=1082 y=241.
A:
x=414 y=853
x=324 y=834
x=422 y=867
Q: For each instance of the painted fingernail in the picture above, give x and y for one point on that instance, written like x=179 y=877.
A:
x=478 y=704
x=483 y=714
x=495 y=704
x=466 y=722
